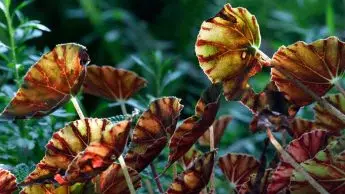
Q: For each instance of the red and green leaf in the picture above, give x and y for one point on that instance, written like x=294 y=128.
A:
x=219 y=127
x=112 y=180
x=80 y=150
x=8 y=183
x=300 y=126
x=327 y=168
x=112 y=83
x=238 y=168
x=226 y=48
x=195 y=126
x=189 y=157
x=326 y=120
x=150 y=134
x=50 y=82
x=316 y=65
x=195 y=178
x=301 y=149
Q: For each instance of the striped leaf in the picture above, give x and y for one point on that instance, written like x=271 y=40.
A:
x=111 y=83
x=219 y=127
x=226 y=48
x=317 y=65
x=80 y=150
x=150 y=134
x=195 y=178
x=50 y=82
x=8 y=183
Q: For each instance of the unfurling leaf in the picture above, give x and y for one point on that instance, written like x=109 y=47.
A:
x=195 y=178
x=316 y=65
x=270 y=99
x=327 y=168
x=269 y=119
x=150 y=134
x=195 y=126
x=249 y=186
x=50 y=82
x=226 y=48
x=80 y=150
x=325 y=120
x=238 y=168
x=219 y=126
x=111 y=83
x=300 y=149
x=7 y=182
x=112 y=180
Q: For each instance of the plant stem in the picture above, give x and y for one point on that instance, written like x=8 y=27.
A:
x=122 y=160
x=156 y=178
x=12 y=42
x=125 y=172
x=123 y=107
x=212 y=146
x=148 y=186
x=339 y=88
x=324 y=103
x=77 y=107
x=286 y=156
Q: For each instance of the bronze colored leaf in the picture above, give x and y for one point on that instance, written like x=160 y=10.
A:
x=189 y=157
x=226 y=48
x=50 y=82
x=195 y=178
x=325 y=120
x=249 y=186
x=300 y=149
x=98 y=138
x=219 y=126
x=327 y=168
x=316 y=65
x=150 y=134
x=301 y=126
x=112 y=83
x=78 y=188
x=270 y=99
x=195 y=126
x=112 y=180
x=8 y=183
x=238 y=168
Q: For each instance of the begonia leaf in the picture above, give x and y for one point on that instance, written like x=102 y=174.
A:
x=7 y=182
x=219 y=127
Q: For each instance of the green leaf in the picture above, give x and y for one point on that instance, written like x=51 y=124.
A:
x=23 y=4
x=34 y=24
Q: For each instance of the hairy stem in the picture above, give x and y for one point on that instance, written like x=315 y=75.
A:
x=212 y=147
x=125 y=172
x=77 y=107
x=12 y=42
x=156 y=178
x=122 y=160
x=286 y=156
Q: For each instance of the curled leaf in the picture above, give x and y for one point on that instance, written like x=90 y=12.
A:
x=150 y=134
x=111 y=83
x=300 y=149
x=79 y=150
x=112 y=180
x=195 y=178
x=195 y=126
x=316 y=65
x=50 y=82
x=238 y=168
x=325 y=120
x=327 y=168
x=219 y=126
x=189 y=157
x=8 y=183
x=226 y=48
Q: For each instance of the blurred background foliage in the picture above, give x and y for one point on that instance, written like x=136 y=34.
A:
x=154 y=38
